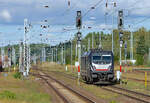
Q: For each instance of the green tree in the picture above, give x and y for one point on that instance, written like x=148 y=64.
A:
x=140 y=50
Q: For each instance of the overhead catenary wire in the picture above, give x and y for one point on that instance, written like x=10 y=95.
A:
x=93 y=7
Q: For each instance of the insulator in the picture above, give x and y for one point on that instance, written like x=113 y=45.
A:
x=106 y=5
x=92 y=7
x=115 y=4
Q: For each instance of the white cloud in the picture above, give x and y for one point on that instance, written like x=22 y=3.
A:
x=5 y=15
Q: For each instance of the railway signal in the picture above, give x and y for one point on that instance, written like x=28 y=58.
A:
x=120 y=27
x=79 y=26
x=79 y=20
x=120 y=19
x=121 y=38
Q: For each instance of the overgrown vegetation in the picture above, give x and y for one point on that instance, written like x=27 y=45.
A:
x=22 y=91
x=7 y=95
x=17 y=75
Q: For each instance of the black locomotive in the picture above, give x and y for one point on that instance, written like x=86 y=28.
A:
x=97 y=66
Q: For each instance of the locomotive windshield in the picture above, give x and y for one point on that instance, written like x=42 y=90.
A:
x=96 y=57
x=104 y=59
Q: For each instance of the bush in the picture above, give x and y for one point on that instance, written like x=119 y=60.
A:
x=139 y=60
x=7 y=95
x=17 y=75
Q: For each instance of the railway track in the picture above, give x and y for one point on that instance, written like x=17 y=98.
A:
x=140 y=97
x=69 y=92
x=140 y=80
x=128 y=93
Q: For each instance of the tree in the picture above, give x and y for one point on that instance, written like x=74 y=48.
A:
x=140 y=50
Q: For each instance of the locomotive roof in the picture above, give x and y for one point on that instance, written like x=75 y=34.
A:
x=96 y=51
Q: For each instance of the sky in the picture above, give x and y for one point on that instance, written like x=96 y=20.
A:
x=61 y=18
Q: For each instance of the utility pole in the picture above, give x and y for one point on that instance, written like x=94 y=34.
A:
x=26 y=44
x=92 y=41
x=88 y=44
x=34 y=59
x=14 y=56
x=9 y=56
x=62 y=59
x=114 y=5
x=125 y=47
x=131 y=44
x=21 y=68
x=43 y=55
x=76 y=50
x=71 y=55
x=3 y=56
x=100 y=41
x=52 y=55
x=64 y=53
x=56 y=54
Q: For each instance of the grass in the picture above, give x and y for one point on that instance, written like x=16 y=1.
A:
x=21 y=91
x=95 y=90
x=132 y=85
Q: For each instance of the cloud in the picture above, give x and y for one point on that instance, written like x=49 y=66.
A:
x=5 y=15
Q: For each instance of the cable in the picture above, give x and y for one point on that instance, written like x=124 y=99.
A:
x=134 y=4
x=142 y=20
x=93 y=7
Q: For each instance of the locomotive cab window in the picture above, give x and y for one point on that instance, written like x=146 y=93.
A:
x=106 y=58
x=96 y=57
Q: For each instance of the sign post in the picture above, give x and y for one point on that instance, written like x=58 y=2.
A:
x=125 y=48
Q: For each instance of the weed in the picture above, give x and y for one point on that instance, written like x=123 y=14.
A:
x=8 y=95
x=17 y=75
x=113 y=101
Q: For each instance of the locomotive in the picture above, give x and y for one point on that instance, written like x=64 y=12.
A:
x=97 y=66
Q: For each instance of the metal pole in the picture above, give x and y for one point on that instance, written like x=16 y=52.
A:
x=76 y=50
x=62 y=54
x=71 y=54
x=100 y=41
x=3 y=57
x=53 y=52
x=120 y=61
x=13 y=56
x=112 y=30
x=52 y=55
x=25 y=49
x=56 y=54
x=20 y=59
x=88 y=44
x=92 y=41
x=132 y=45
x=65 y=54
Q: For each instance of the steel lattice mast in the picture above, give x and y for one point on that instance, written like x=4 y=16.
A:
x=26 y=55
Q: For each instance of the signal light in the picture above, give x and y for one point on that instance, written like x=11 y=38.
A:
x=115 y=4
x=69 y=3
x=78 y=20
x=106 y=5
x=120 y=19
